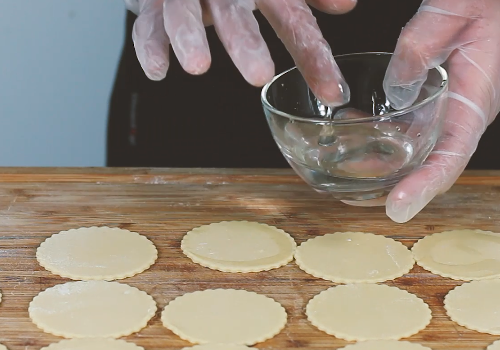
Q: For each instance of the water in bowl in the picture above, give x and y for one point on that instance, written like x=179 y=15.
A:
x=338 y=156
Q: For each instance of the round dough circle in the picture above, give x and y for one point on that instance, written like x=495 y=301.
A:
x=239 y=246
x=475 y=305
x=359 y=312
x=92 y=309
x=224 y=316
x=494 y=346
x=354 y=257
x=96 y=253
x=460 y=254
x=93 y=343
x=218 y=347
x=3 y=347
x=385 y=345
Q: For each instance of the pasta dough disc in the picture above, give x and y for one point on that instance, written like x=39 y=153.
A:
x=218 y=347
x=239 y=246
x=3 y=347
x=96 y=253
x=359 y=312
x=494 y=346
x=385 y=345
x=354 y=257
x=475 y=305
x=460 y=254
x=93 y=343
x=92 y=309
x=224 y=316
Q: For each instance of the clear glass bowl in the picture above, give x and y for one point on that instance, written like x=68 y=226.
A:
x=361 y=150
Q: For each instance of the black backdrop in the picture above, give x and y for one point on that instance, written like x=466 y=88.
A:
x=216 y=120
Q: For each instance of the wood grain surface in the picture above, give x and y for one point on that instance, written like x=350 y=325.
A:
x=164 y=204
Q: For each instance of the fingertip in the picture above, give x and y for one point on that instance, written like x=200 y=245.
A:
x=154 y=63
x=325 y=79
x=332 y=93
x=401 y=84
x=238 y=30
x=334 y=6
x=197 y=64
x=400 y=216
x=151 y=45
x=401 y=97
x=157 y=73
x=153 y=60
x=259 y=74
x=408 y=199
x=183 y=23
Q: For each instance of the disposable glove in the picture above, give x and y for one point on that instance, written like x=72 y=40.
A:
x=181 y=24
x=465 y=36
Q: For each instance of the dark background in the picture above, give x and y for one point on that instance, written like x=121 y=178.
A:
x=216 y=120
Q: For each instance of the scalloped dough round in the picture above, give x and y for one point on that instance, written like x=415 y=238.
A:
x=385 y=345
x=354 y=257
x=93 y=343
x=3 y=347
x=239 y=246
x=96 y=253
x=218 y=347
x=460 y=254
x=359 y=312
x=475 y=305
x=224 y=316
x=494 y=346
x=97 y=309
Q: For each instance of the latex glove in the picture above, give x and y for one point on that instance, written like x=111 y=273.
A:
x=181 y=24
x=466 y=36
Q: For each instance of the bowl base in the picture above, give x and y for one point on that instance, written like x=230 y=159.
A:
x=347 y=189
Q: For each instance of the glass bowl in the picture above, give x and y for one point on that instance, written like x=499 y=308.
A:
x=361 y=150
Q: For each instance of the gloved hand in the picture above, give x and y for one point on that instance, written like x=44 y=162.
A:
x=181 y=23
x=466 y=36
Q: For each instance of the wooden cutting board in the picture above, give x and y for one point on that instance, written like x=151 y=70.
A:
x=164 y=204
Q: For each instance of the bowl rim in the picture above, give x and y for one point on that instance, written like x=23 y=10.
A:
x=384 y=117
